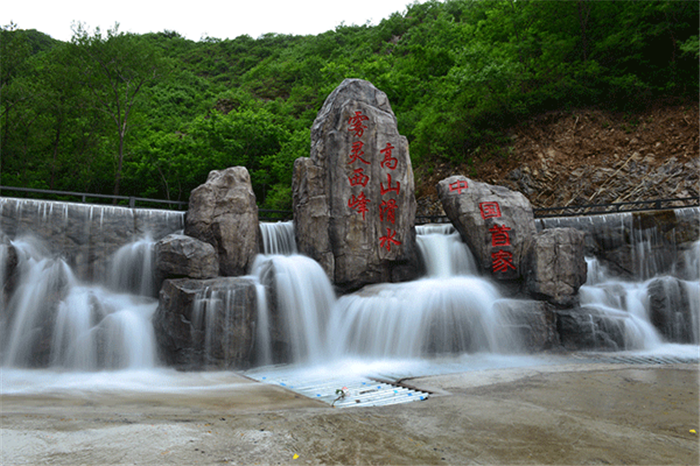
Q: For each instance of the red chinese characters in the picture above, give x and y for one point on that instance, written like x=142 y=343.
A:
x=388 y=206
x=356 y=153
x=389 y=162
x=358 y=177
x=359 y=203
x=387 y=240
x=356 y=126
x=501 y=259
x=489 y=210
x=387 y=209
x=389 y=187
x=459 y=186
x=499 y=235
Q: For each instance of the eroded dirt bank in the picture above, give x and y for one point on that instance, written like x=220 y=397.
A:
x=565 y=414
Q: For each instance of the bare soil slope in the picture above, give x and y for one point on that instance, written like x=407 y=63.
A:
x=587 y=156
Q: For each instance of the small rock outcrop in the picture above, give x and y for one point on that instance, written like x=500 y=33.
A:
x=207 y=323
x=496 y=223
x=557 y=266
x=180 y=256
x=587 y=328
x=223 y=213
x=354 y=200
x=533 y=324
x=671 y=309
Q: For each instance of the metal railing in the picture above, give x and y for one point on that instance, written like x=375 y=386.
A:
x=134 y=202
x=631 y=206
x=130 y=201
x=284 y=215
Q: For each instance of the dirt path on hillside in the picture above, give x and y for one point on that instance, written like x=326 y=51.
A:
x=566 y=414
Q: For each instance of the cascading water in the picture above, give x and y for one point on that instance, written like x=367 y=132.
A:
x=451 y=311
x=132 y=269
x=51 y=318
x=304 y=299
x=443 y=253
x=56 y=320
x=278 y=238
x=624 y=305
x=649 y=299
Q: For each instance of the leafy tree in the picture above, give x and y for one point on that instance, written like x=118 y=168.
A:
x=116 y=68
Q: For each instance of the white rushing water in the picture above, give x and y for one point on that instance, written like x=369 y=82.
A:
x=55 y=320
x=58 y=321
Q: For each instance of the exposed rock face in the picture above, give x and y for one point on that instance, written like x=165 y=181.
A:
x=8 y=275
x=534 y=324
x=179 y=256
x=557 y=266
x=671 y=309
x=223 y=213
x=354 y=201
x=207 y=322
x=496 y=223
x=586 y=328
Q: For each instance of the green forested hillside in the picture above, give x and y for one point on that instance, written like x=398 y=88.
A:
x=150 y=115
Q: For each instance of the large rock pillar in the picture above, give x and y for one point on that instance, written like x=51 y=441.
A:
x=354 y=198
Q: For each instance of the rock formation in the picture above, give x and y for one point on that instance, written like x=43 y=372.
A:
x=556 y=266
x=207 y=322
x=535 y=322
x=223 y=213
x=180 y=256
x=354 y=201
x=496 y=223
x=671 y=309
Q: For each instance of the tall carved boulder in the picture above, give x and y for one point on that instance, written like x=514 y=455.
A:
x=496 y=223
x=354 y=198
x=223 y=213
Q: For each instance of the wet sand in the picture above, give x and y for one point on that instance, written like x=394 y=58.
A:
x=563 y=414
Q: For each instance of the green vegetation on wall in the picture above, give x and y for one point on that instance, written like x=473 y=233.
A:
x=150 y=115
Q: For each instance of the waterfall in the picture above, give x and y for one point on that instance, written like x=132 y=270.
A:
x=431 y=316
x=278 y=238
x=303 y=299
x=131 y=269
x=100 y=318
x=59 y=321
x=443 y=253
x=625 y=304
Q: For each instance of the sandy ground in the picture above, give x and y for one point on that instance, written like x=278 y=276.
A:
x=566 y=414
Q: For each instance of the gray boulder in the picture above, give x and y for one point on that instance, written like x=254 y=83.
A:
x=223 y=213
x=354 y=199
x=533 y=324
x=671 y=309
x=207 y=323
x=496 y=223
x=587 y=328
x=557 y=266
x=179 y=256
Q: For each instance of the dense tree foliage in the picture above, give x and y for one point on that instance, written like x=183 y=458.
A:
x=150 y=115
